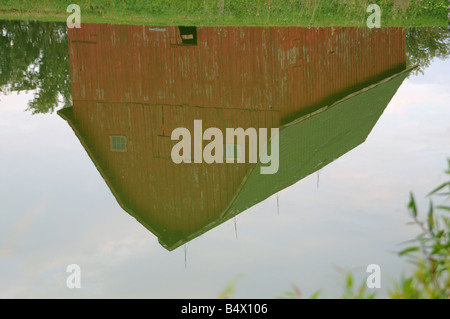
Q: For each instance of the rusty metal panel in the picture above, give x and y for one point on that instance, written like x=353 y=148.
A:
x=288 y=69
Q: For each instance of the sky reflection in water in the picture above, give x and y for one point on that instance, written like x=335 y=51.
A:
x=57 y=210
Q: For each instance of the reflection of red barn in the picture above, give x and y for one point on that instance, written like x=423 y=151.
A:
x=142 y=82
x=286 y=69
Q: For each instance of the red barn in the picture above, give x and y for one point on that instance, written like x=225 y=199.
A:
x=133 y=85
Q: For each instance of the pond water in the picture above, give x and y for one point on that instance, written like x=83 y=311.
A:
x=88 y=174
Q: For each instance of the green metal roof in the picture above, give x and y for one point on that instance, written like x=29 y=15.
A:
x=312 y=142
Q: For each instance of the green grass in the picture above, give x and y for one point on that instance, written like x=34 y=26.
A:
x=404 y=13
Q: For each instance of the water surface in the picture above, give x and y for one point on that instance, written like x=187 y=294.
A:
x=358 y=131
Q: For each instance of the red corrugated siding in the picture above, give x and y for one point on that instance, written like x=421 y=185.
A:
x=288 y=69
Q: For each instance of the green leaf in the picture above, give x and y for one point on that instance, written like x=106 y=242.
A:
x=229 y=289
x=412 y=205
x=439 y=188
x=361 y=290
x=443 y=194
x=290 y=294
x=443 y=207
x=371 y=296
x=407 y=286
x=430 y=218
x=408 y=250
x=315 y=295
x=349 y=280
x=437 y=248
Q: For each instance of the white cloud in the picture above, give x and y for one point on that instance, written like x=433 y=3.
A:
x=423 y=94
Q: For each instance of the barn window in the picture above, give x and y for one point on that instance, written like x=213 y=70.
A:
x=118 y=143
x=188 y=35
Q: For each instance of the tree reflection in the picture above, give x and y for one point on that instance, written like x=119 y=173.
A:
x=425 y=44
x=34 y=56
